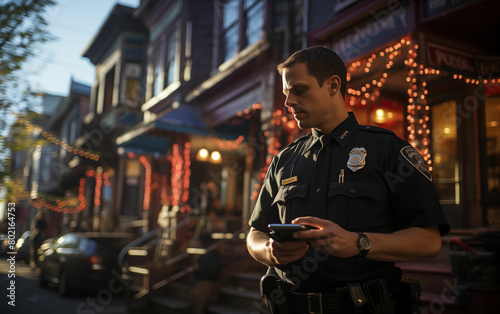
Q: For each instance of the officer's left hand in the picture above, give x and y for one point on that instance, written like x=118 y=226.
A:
x=328 y=238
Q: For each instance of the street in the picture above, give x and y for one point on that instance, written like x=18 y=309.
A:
x=22 y=291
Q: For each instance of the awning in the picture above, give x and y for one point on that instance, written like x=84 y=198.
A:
x=155 y=136
x=146 y=144
x=185 y=119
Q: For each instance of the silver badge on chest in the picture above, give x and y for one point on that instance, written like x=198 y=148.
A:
x=357 y=157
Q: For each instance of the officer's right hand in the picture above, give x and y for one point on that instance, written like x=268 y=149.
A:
x=286 y=252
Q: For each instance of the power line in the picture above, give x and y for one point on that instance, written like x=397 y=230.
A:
x=71 y=27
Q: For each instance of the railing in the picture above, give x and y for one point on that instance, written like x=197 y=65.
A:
x=176 y=259
x=141 y=273
x=136 y=242
x=190 y=269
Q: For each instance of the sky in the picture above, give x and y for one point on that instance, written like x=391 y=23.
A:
x=74 y=24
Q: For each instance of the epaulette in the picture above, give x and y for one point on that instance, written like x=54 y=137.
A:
x=376 y=129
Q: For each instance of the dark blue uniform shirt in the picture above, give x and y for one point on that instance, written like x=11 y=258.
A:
x=385 y=187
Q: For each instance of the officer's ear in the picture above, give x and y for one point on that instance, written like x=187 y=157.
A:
x=334 y=84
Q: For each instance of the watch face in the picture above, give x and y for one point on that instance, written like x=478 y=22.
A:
x=365 y=244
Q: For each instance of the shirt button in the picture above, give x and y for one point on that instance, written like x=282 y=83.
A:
x=352 y=191
x=318 y=191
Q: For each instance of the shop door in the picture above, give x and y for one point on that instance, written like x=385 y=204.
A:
x=491 y=166
x=446 y=171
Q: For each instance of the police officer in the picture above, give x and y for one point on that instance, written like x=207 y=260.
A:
x=366 y=194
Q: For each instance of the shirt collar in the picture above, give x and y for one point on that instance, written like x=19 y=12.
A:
x=342 y=133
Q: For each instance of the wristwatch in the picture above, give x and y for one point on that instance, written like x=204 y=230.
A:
x=364 y=244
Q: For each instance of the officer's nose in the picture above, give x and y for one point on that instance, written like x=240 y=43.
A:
x=289 y=101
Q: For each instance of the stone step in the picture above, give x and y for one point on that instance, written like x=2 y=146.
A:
x=168 y=304
x=248 y=300
x=177 y=290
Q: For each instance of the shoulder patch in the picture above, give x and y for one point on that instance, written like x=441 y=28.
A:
x=416 y=160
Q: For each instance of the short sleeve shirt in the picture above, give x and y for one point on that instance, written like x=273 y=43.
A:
x=370 y=181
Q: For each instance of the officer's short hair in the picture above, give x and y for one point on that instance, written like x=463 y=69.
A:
x=322 y=63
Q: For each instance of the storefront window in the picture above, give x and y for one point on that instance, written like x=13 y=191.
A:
x=493 y=145
x=130 y=201
x=216 y=191
x=385 y=113
x=446 y=175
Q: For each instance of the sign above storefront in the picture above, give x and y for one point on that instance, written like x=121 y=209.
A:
x=382 y=27
x=445 y=58
x=489 y=67
x=437 y=7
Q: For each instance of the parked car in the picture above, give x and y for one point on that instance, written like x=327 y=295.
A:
x=3 y=244
x=47 y=244
x=23 y=247
x=82 y=261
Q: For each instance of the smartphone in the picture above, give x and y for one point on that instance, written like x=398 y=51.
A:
x=284 y=232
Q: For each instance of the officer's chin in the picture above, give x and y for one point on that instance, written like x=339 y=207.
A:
x=302 y=125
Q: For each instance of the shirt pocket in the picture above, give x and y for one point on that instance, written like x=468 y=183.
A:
x=291 y=201
x=355 y=204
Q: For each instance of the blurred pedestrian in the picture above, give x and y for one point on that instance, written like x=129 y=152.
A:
x=206 y=276
x=38 y=235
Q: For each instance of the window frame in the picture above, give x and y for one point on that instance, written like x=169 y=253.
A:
x=246 y=14
x=242 y=27
x=162 y=62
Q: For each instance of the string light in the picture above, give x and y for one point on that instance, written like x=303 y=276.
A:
x=88 y=154
x=164 y=190
x=247 y=112
x=98 y=188
x=282 y=124
x=68 y=205
x=81 y=196
x=417 y=108
x=187 y=171
x=176 y=175
x=147 y=182
x=228 y=144
x=62 y=205
x=390 y=53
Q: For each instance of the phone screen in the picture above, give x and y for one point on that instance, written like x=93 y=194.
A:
x=284 y=232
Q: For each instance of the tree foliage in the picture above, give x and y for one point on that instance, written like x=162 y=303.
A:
x=23 y=27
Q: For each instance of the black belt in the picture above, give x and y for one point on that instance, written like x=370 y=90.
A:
x=367 y=297
x=314 y=303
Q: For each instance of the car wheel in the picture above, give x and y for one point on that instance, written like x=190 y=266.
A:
x=42 y=282
x=63 y=283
